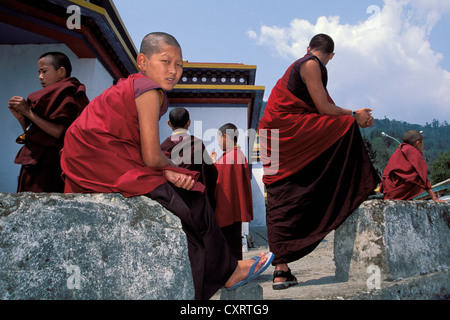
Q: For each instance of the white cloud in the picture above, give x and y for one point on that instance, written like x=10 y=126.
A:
x=385 y=62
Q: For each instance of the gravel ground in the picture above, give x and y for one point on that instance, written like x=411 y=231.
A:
x=315 y=273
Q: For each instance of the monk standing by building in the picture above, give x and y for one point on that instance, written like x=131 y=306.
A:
x=234 y=201
x=405 y=175
x=114 y=146
x=44 y=117
x=189 y=152
x=316 y=168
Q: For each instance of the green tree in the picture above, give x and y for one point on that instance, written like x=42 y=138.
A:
x=440 y=168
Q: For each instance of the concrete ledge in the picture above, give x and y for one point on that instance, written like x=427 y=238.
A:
x=393 y=240
x=91 y=246
x=434 y=286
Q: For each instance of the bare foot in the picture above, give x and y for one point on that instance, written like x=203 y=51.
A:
x=242 y=270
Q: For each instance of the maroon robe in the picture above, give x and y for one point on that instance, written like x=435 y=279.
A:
x=60 y=103
x=303 y=133
x=316 y=167
x=197 y=159
x=233 y=197
x=233 y=191
x=405 y=175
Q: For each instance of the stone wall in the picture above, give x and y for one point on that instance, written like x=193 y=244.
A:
x=107 y=247
x=394 y=239
x=92 y=246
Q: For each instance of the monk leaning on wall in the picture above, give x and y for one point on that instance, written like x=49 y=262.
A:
x=324 y=172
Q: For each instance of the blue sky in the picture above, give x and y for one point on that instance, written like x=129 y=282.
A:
x=392 y=56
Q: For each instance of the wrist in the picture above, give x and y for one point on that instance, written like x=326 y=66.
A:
x=29 y=114
x=354 y=114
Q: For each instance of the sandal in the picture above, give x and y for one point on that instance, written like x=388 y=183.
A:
x=290 y=280
x=252 y=274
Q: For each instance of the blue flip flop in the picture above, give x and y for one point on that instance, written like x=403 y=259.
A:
x=252 y=274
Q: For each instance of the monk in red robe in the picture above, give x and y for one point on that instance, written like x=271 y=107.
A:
x=190 y=152
x=316 y=168
x=234 y=202
x=405 y=175
x=44 y=117
x=114 y=146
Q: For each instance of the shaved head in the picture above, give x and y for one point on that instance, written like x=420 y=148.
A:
x=179 y=117
x=412 y=136
x=231 y=131
x=59 y=60
x=152 y=42
x=322 y=42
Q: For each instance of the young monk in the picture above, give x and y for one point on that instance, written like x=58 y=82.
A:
x=114 y=146
x=44 y=118
x=405 y=175
x=189 y=152
x=316 y=168
x=234 y=203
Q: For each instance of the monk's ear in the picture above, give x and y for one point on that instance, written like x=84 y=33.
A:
x=418 y=145
x=62 y=73
x=141 y=61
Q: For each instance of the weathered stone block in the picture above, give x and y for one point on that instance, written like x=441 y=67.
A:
x=249 y=291
x=402 y=238
x=91 y=246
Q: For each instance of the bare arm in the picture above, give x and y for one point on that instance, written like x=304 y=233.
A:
x=20 y=109
x=148 y=107
x=311 y=75
x=433 y=195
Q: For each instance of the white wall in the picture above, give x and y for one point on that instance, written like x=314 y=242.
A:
x=19 y=76
x=205 y=121
x=258 y=193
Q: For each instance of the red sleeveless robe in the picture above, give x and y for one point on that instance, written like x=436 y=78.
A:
x=102 y=151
